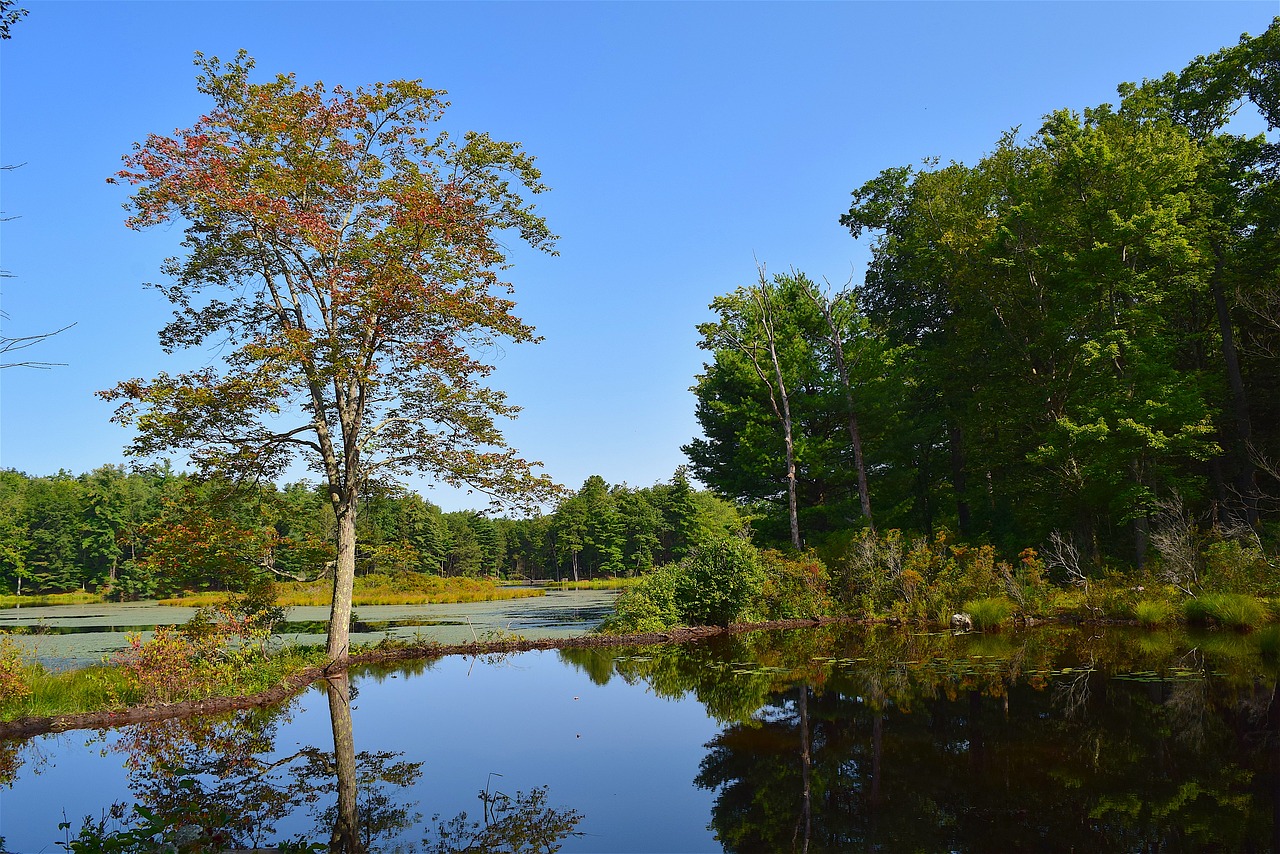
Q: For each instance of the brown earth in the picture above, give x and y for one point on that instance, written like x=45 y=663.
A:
x=31 y=726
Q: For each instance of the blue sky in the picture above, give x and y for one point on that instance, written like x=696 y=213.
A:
x=682 y=143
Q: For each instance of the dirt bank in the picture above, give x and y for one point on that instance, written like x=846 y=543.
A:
x=30 y=726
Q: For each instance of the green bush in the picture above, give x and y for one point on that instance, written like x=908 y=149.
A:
x=647 y=606
x=989 y=613
x=1233 y=565
x=718 y=583
x=1232 y=610
x=1152 y=612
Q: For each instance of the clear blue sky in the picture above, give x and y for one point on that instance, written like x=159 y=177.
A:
x=681 y=141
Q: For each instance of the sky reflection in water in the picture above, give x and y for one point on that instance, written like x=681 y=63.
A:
x=809 y=739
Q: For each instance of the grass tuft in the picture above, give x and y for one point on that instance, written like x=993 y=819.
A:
x=989 y=613
x=1153 y=612
x=1231 y=610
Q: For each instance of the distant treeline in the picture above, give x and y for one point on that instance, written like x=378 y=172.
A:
x=155 y=531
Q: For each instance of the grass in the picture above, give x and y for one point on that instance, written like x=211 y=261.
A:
x=988 y=613
x=101 y=688
x=1153 y=612
x=403 y=589
x=1231 y=610
x=43 y=599
x=594 y=584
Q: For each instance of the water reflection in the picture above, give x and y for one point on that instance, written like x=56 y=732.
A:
x=218 y=784
x=1044 y=741
x=821 y=740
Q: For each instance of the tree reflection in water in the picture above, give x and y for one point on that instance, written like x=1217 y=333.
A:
x=216 y=784
x=1049 y=740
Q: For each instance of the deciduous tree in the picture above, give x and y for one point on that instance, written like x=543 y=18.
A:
x=344 y=254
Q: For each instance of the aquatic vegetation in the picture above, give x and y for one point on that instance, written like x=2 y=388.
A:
x=1231 y=610
x=406 y=588
x=1153 y=612
x=989 y=613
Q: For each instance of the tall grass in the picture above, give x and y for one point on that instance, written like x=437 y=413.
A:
x=1231 y=610
x=1153 y=612
x=100 y=688
x=989 y=613
x=594 y=584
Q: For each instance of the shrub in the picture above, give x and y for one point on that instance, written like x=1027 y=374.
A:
x=1231 y=564
x=1232 y=610
x=794 y=588
x=648 y=606
x=1152 y=612
x=13 y=683
x=718 y=583
x=989 y=613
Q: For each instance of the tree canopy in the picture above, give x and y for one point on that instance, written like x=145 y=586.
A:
x=344 y=254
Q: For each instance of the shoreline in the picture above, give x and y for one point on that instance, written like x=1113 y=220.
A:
x=27 y=727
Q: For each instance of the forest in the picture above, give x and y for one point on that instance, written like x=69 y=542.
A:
x=133 y=534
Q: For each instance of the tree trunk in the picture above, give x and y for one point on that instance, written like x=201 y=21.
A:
x=344 y=577
x=806 y=768
x=1244 y=429
x=842 y=371
x=958 y=480
x=345 y=838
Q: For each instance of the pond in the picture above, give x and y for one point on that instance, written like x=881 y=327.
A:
x=68 y=636
x=823 y=739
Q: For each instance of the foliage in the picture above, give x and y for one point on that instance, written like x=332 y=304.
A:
x=648 y=606
x=13 y=682
x=925 y=581
x=794 y=587
x=208 y=652
x=719 y=583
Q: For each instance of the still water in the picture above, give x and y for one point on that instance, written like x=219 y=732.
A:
x=805 y=740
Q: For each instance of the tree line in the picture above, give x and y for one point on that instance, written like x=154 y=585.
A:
x=1062 y=341
x=152 y=530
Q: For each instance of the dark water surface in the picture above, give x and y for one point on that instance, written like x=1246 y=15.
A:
x=812 y=739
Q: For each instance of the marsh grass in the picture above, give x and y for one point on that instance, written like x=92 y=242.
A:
x=1153 y=612
x=45 y=599
x=104 y=687
x=988 y=613
x=403 y=589
x=1231 y=610
x=595 y=584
